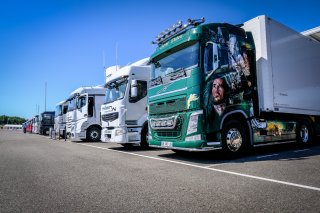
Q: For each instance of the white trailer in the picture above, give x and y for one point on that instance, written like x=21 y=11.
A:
x=83 y=117
x=313 y=33
x=124 y=114
x=287 y=67
x=60 y=118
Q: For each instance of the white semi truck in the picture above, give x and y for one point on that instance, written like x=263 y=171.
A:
x=60 y=118
x=83 y=116
x=124 y=113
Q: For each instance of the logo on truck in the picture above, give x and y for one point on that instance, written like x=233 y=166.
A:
x=163 y=89
x=109 y=108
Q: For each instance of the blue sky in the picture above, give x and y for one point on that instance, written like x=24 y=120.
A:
x=67 y=43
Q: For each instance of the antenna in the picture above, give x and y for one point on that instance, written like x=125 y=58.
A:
x=37 y=109
x=45 y=96
x=116 y=56
x=103 y=59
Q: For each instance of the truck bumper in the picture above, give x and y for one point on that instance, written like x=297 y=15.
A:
x=197 y=146
x=121 y=135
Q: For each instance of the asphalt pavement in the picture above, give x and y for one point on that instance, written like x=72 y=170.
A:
x=38 y=174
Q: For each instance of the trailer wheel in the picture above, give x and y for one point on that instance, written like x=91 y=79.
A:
x=234 y=138
x=304 y=132
x=93 y=134
x=144 y=138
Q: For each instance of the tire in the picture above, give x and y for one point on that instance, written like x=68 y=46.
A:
x=127 y=145
x=234 y=138
x=144 y=138
x=304 y=132
x=93 y=134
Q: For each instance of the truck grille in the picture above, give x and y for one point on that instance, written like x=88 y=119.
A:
x=168 y=134
x=110 y=117
x=131 y=122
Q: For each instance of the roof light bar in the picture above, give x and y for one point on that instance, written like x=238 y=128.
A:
x=176 y=29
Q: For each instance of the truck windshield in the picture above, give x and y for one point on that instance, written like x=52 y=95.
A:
x=72 y=104
x=47 y=116
x=116 y=90
x=58 y=110
x=181 y=59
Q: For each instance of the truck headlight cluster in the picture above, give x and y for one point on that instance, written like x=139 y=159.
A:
x=120 y=132
x=193 y=122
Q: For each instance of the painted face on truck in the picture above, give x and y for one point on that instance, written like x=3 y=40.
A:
x=218 y=91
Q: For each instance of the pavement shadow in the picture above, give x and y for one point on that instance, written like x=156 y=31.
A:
x=134 y=148
x=280 y=152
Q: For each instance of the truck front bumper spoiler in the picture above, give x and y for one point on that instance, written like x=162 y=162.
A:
x=203 y=149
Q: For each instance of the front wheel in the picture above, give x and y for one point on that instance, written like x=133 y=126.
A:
x=93 y=134
x=234 y=138
x=144 y=138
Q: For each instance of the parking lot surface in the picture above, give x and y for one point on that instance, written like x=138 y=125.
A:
x=39 y=174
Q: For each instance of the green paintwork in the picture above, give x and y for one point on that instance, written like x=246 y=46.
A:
x=217 y=91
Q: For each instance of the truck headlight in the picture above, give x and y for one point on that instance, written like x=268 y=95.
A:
x=120 y=132
x=193 y=122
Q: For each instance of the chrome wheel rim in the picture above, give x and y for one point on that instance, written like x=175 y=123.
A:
x=94 y=135
x=234 y=139
x=304 y=134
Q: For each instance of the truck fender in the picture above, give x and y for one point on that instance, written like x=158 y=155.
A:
x=234 y=113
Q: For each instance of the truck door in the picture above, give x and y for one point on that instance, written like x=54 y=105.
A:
x=90 y=106
x=82 y=111
x=137 y=106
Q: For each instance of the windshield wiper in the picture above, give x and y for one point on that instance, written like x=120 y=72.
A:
x=156 y=81
x=178 y=73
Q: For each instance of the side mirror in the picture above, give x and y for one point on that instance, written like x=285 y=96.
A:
x=215 y=52
x=134 y=88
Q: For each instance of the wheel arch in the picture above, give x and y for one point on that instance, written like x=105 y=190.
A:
x=94 y=125
x=145 y=125
x=241 y=116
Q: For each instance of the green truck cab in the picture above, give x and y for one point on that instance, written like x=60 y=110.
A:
x=201 y=75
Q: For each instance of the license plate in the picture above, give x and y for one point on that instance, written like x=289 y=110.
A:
x=166 y=144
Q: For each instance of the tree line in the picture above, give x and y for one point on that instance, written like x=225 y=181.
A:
x=11 y=120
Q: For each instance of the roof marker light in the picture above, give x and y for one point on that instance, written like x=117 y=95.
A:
x=176 y=29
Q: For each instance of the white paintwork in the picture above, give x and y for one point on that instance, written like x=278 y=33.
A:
x=35 y=124
x=313 y=33
x=288 y=68
x=60 y=120
x=78 y=121
x=110 y=70
x=127 y=111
